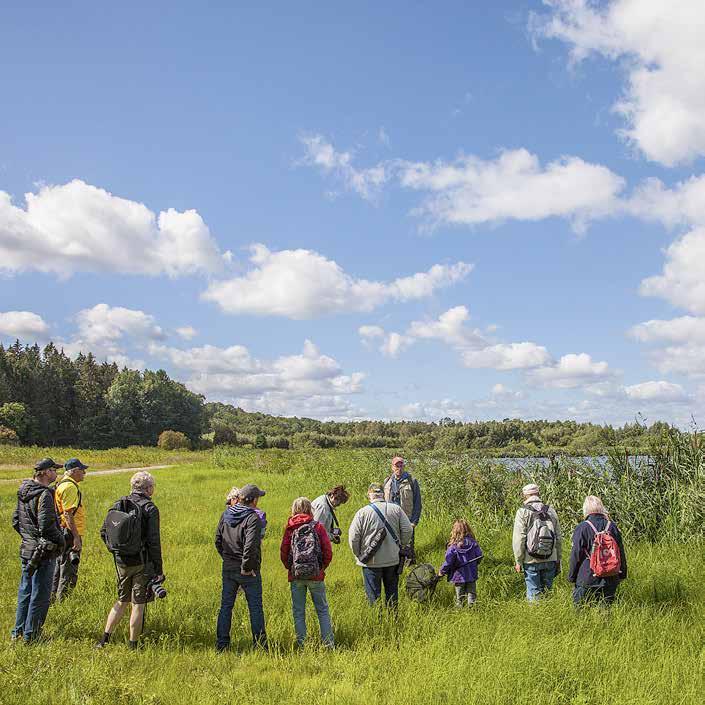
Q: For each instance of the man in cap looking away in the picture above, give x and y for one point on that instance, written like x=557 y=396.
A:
x=403 y=489
x=72 y=514
x=238 y=540
x=35 y=520
x=536 y=542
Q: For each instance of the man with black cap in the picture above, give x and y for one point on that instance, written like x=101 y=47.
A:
x=72 y=514
x=35 y=520
x=238 y=540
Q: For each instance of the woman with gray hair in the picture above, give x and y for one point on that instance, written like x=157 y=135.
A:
x=598 y=562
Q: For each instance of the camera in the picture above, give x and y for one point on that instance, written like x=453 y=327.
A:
x=336 y=533
x=155 y=588
x=43 y=550
x=74 y=558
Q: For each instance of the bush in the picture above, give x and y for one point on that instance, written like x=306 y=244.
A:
x=8 y=437
x=173 y=440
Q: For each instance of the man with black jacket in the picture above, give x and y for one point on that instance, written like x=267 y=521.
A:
x=135 y=573
x=238 y=540
x=35 y=520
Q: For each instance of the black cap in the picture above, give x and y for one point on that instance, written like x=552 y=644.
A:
x=250 y=492
x=46 y=464
x=74 y=464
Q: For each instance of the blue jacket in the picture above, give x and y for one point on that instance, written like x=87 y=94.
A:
x=579 y=571
x=460 y=564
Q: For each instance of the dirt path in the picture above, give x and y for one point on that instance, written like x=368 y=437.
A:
x=112 y=471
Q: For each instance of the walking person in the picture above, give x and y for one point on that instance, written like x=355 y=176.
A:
x=402 y=489
x=462 y=559
x=139 y=566
x=377 y=533
x=598 y=561
x=324 y=510
x=238 y=540
x=35 y=520
x=72 y=513
x=306 y=552
x=537 y=543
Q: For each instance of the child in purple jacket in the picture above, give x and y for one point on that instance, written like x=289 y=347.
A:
x=460 y=564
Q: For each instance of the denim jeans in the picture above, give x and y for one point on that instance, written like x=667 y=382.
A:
x=539 y=578
x=33 y=600
x=374 y=578
x=317 y=589
x=605 y=594
x=252 y=587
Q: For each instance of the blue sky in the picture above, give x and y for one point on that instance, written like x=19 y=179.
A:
x=372 y=210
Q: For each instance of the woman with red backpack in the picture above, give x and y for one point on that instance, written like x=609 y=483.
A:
x=306 y=552
x=598 y=562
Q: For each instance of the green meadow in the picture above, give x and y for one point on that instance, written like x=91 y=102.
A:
x=648 y=649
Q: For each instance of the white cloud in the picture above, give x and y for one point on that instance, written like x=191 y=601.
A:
x=683 y=279
x=507 y=356
x=77 y=227
x=433 y=410
x=395 y=343
x=302 y=284
x=367 y=332
x=23 y=325
x=450 y=328
x=660 y=391
x=663 y=55
x=682 y=205
x=571 y=371
x=514 y=186
x=187 y=332
x=685 y=329
x=309 y=383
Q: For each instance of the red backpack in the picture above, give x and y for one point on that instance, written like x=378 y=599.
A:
x=605 y=558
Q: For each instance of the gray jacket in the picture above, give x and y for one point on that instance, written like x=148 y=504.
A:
x=521 y=529
x=366 y=522
x=323 y=513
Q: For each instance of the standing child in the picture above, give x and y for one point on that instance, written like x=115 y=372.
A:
x=460 y=564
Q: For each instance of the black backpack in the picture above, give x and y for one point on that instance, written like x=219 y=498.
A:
x=122 y=528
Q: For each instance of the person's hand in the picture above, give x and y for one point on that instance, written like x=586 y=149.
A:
x=517 y=567
x=77 y=543
x=413 y=526
x=250 y=573
x=159 y=578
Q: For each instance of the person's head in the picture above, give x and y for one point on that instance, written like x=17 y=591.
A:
x=529 y=491
x=460 y=530
x=75 y=469
x=45 y=471
x=233 y=496
x=301 y=505
x=250 y=494
x=142 y=482
x=397 y=465
x=375 y=491
x=593 y=505
x=338 y=495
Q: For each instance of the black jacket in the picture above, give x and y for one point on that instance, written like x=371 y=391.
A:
x=238 y=539
x=151 y=537
x=579 y=571
x=35 y=518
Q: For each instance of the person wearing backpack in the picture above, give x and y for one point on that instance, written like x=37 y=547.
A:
x=537 y=543
x=306 y=552
x=35 y=520
x=72 y=513
x=131 y=533
x=377 y=534
x=598 y=561
x=238 y=540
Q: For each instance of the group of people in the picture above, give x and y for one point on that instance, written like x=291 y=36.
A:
x=50 y=518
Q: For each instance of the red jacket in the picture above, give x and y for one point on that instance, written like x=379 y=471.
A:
x=285 y=548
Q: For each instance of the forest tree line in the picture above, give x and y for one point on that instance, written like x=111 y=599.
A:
x=49 y=399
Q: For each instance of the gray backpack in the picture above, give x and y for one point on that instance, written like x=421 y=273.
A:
x=541 y=537
x=306 y=557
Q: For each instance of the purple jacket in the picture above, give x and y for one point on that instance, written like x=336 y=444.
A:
x=460 y=564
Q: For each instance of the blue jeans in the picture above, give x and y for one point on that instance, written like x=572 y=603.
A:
x=539 y=578
x=252 y=587
x=33 y=600
x=374 y=578
x=317 y=589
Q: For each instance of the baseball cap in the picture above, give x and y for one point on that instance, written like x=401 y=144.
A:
x=250 y=492
x=375 y=488
x=46 y=464
x=74 y=464
x=397 y=459
x=528 y=490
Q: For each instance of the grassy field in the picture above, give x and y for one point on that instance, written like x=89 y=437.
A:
x=650 y=649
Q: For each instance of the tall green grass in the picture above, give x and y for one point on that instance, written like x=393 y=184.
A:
x=649 y=649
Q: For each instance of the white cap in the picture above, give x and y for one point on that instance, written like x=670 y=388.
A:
x=528 y=490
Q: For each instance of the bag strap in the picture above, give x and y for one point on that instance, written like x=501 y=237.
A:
x=64 y=480
x=387 y=525
x=332 y=513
